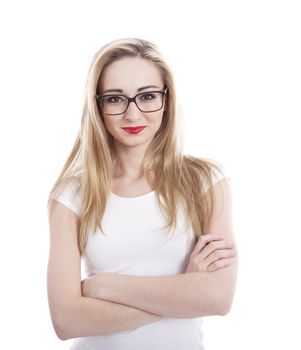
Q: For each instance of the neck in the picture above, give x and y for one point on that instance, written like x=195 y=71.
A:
x=128 y=162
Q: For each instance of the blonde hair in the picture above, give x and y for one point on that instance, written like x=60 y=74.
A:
x=175 y=177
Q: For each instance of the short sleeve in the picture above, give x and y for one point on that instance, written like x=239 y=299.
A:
x=70 y=197
x=217 y=176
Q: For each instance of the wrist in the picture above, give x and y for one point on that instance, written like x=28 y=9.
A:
x=109 y=285
x=101 y=284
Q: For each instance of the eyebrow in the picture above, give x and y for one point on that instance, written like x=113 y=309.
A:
x=140 y=89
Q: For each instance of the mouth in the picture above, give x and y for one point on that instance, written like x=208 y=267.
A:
x=134 y=130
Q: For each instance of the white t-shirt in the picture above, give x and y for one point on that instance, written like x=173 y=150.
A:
x=136 y=244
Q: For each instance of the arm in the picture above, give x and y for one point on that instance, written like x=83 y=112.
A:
x=193 y=294
x=84 y=317
x=72 y=314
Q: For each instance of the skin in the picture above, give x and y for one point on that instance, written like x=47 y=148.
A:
x=129 y=74
x=159 y=295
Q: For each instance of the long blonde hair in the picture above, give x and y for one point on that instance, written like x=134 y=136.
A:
x=177 y=179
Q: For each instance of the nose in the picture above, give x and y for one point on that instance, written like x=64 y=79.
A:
x=133 y=112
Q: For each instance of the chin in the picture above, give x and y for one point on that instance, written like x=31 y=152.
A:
x=135 y=141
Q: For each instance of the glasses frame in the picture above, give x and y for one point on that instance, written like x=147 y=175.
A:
x=132 y=99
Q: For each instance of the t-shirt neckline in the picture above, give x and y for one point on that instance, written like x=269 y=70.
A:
x=148 y=194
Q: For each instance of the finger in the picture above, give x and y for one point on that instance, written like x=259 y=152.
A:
x=215 y=245
x=219 y=264
x=220 y=254
x=216 y=255
x=206 y=238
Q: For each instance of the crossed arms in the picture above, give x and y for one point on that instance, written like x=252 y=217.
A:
x=107 y=303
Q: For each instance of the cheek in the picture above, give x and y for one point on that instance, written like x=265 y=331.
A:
x=109 y=123
x=156 y=120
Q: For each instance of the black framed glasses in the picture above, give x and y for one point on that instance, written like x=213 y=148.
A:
x=147 y=102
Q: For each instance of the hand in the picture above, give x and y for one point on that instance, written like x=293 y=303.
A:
x=93 y=286
x=86 y=286
x=211 y=253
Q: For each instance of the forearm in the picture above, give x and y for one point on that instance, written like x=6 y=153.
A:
x=179 y=296
x=91 y=317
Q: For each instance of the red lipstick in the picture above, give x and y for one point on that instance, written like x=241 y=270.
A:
x=134 y=130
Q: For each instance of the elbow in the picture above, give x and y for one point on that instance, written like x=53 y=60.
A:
x=224 y=306
x=61 y=328
x=223 y=310
x=61 y=333
x=224 y=299
x=214 y=307
x=62 y=324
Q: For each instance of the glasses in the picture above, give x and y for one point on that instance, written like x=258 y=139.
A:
x=147 y=102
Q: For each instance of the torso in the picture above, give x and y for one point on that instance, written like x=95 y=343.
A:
x=136 y=243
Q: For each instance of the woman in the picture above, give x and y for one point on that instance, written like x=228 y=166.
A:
x=152 y=225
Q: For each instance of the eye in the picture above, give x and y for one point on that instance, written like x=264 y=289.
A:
x=147 y=96
x=113 y=99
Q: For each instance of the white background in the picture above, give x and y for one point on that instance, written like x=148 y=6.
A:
x=237 y=71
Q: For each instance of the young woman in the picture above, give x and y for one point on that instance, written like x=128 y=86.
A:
x=152 y=225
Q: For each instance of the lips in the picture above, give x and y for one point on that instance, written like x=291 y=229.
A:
x=134 y=130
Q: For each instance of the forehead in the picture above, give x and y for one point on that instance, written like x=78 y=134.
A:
x=130 y=73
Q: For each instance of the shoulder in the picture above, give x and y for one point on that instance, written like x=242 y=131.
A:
x=218 y=173
x=68 y=193
x=209 y=171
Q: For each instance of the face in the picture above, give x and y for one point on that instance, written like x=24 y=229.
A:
x=128 y=75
